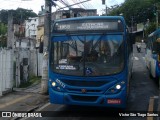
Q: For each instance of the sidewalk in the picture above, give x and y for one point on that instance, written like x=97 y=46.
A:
x=23 y=99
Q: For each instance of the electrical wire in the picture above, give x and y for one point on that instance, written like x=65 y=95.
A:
x=74 y=1
x=64 y=2
x=81 y=4
x=87 y=5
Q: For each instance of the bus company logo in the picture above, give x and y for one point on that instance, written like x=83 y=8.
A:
x=6 y=114
x=83 y=90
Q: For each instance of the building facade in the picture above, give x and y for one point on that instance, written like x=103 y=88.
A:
x=74 y=12
x=40 y=29
x=31 y=27
x=61 y=14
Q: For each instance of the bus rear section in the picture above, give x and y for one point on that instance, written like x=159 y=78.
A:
x=89 y=62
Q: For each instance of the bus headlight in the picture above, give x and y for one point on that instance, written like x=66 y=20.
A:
x=53 y=84
x=118 y=87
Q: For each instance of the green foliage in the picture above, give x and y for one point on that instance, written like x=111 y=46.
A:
x=3 y=35
x=3 y=29
x=150 y=29
x=33 y=80
x=3 y=41
x=18 y=34
x=19 y=15
x=4 y=16
x=140 y=10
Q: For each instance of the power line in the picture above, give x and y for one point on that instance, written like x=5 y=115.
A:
x=88 y=5
x=82 y=6
x=74 y=4
x=74 y=1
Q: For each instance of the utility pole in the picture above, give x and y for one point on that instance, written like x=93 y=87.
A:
x=47 y=36
x=72 y=4
x=132 y=24
x=156 y=13
x=157 y=19
x=10 y=30
x=106 y=10
x=104 y=3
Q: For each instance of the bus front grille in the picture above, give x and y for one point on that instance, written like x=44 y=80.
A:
x=80 y=90
x=83 y=83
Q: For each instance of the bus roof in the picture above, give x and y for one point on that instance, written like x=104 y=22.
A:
x=92 y=17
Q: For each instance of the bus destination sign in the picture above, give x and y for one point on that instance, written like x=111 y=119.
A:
x=87 y=25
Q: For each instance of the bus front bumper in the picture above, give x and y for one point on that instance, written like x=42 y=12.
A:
x=112 y=100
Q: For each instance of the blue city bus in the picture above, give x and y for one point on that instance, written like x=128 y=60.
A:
x=152 y=55
x=90 y=61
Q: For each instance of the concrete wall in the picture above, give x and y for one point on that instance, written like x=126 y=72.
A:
x=35 y=63
x=6 y=70
x=28 y=63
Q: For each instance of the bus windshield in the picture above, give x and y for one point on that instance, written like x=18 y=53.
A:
x=87 y=55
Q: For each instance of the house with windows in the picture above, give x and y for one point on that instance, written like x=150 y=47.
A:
x=40 y=29
x=31 y=27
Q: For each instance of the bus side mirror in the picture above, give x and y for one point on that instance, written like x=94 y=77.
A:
x=41 y=47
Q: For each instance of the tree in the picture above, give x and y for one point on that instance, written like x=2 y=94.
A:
x=150 y=29
x=3 y=29
x=19 y=15
x=139 y=10
x=3 y=41
x=3 y=35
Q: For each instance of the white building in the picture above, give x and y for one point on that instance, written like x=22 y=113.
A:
x=31 y=27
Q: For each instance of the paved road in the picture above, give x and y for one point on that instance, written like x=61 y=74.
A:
x=141 y=89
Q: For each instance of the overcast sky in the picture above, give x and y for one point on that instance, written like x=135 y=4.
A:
x=35 y=5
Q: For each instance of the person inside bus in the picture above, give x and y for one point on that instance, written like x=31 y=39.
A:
x=104 y=54
x=94 y=55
